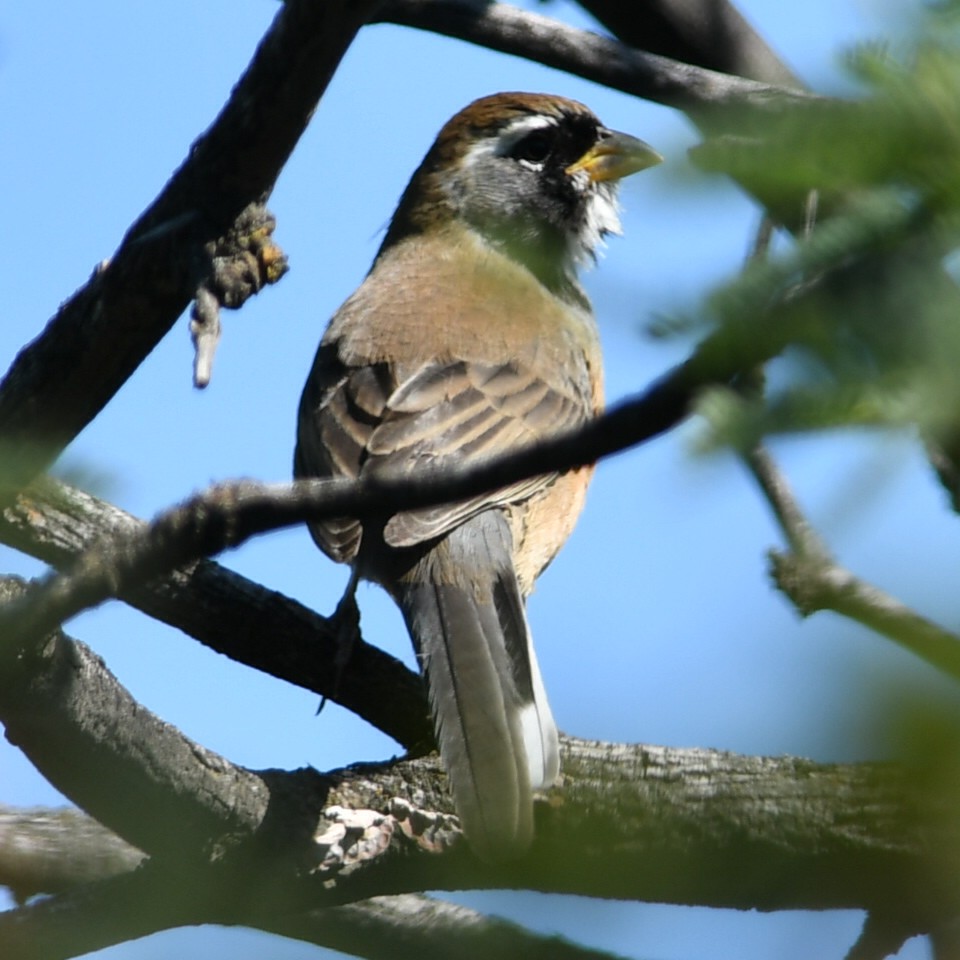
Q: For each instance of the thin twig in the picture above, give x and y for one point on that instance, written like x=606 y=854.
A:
x=799 y=534
x=808 y=574
x=813 y=581
x=230 y=513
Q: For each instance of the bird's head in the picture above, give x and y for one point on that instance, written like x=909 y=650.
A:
x=532 y=174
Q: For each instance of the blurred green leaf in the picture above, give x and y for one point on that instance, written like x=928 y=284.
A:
x=863 y=310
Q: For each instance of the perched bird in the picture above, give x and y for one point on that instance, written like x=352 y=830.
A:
x=470 y=337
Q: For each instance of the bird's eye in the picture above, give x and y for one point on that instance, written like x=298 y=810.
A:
x=535 y=147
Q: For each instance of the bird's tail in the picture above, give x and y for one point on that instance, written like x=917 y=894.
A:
x=497 y=736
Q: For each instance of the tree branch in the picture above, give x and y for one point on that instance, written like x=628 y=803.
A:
x=412 y=927
x=102 y=914
x=499 y=26
x=634 y=822
x=227 y=612
x=140 y=777
x=230 y=513
x=60 y=381
x=812 y=580
x=47 y=851
x=649 y=823
x=402 y=927
x=708 y=33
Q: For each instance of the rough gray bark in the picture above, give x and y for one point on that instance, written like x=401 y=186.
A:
x=48 y=851
x=683 y=826
x=227 y=612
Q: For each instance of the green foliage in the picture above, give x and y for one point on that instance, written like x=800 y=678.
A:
x=861 y=311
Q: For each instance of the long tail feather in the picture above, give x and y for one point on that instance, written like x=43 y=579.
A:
x=497 y=736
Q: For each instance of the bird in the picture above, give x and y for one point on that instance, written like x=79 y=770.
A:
x=469 y=337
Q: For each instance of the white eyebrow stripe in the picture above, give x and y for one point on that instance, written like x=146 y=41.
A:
x=502 y=143
x=517 y=129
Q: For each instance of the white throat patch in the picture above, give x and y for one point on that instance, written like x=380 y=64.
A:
x=601 y=216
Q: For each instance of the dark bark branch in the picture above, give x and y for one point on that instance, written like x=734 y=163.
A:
x=674 y=825
x=230 y=513
x=881 y=937
x=47 y=851
x=227 y=612
x=403 y=927
x=634 y=822
x=707 y=33
x=507 y=29
x=61 y=381
x=137 y=775
x=102 y=914
x=411 y=927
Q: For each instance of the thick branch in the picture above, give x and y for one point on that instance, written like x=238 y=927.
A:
x=403 y=927
x=507 y=29
x=708 y=33
x=59 y=382
x=646 y=823
x=227 y=612
x=411 y=927
x=688 y=826
x=123 y=765
x=102 y=914
x=46 y=851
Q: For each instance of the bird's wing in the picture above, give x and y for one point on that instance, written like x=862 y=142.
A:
x=461 y=413
x=338 y=412
x=397 y=422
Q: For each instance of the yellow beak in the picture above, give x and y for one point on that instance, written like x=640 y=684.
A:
x=615 y=155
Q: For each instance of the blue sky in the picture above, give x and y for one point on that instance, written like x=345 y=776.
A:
x=656 y=623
